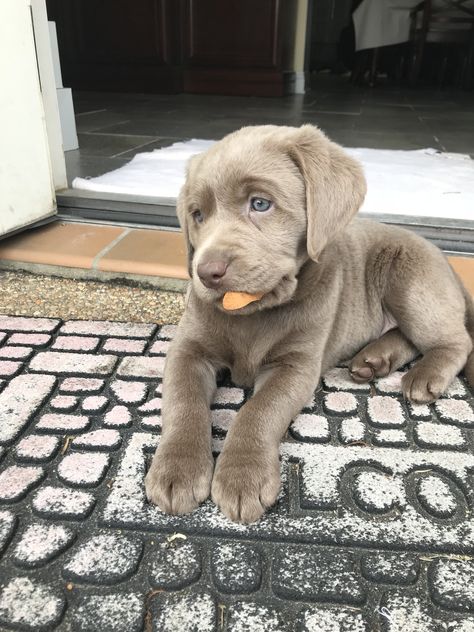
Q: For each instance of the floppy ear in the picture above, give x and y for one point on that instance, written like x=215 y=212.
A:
x=183 y=222
x=335 y=186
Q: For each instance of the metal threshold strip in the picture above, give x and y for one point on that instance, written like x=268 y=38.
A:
x=451 y=235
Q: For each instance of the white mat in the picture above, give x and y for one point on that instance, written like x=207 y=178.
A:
x=423 y=182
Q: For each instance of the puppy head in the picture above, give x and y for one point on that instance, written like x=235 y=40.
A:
x=258 y=203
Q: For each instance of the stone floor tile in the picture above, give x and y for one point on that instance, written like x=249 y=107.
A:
x=7 y=528
x=104 y=328
x=17 y=480
x=141 y=367
x=67 y=504
x=174 y=566
x=385 y=412
x=31 y=340
x=37 y=448
x=41 y=543
x=236 y=567
x=434 y=435
x=27 y=604
x=64 y=403
x=76 y=343
x=245 y=616
x=62 y=423
x=124 y=345
x=129 y=392
x=61 y=363
x=339 y=379
x=16 y=352
x=159 y=347
x=20 y=323
x=311 y=428
x=184 y=612
x=98 y=440
x=151 y=406
x=94 y=403
x=340 y=403
x=83 y=469
x=81 y=385
x=390 y=568
x=118 y=417
x=456 y=411
x=119 y=612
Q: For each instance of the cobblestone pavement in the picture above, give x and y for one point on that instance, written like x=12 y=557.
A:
x=373 y=529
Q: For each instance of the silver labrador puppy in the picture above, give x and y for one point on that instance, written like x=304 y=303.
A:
x=268 y=210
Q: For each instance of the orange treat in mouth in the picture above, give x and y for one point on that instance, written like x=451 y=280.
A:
x=236 y=300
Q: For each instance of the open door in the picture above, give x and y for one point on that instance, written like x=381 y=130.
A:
x=27 y=188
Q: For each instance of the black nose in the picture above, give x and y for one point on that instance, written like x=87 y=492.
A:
x=212 y=272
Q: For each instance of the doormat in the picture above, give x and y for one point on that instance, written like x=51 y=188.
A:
x=422 y=182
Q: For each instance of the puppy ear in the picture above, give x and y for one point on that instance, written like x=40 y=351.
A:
x=184 y=223
x=335 y=186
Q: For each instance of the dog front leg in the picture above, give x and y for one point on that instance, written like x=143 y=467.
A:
x=247 y=475
x=179 y=478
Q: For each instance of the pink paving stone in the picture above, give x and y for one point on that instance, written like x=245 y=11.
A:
x=168 y=331
x=37 y=448
x=143 y=367
x=21 y=353
x=65 y=503
x=160 y=347
x=339 y=379
x=83 y=469
x=222 y=418
x=118 y=416
x=340 y=402
x=391 y=384
x=41 y=542
x=17 y=480
x=385 y=411
x=76 y=343
x=19 y=323
x=64 y=402
x=129 y=392
x=455 y=410
x=82 y=385
x=105 y=328
x=9 y=368
x=151 y=423
x=3 y=335
x=76 y=363
x=104 y=439
x=152 y=406
x=124 y=345
x=33 y=340
x=228 y=395
x=94 y=403
x=62 y=423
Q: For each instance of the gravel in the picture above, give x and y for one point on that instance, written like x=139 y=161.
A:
x=25 y=294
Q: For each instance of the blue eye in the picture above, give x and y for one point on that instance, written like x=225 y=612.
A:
x=198 y=216
x=260 y=204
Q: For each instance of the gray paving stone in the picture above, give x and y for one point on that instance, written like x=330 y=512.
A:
x=311 y=428
x=236 y=567
x=351 y=430
x=106 y=439
x=339 y=379
x=32 y=340
x=105 y=328
x=251 y=617
x=104 y=559
x=94 y=403
x=20 y=323
x=129 y=392
x=66 y=504
x=27 y=604
x=402 y=613
x=61 y=363
x=390 y=568
x=299 y=573
x=385 y=412
x=174 y=566
x=17 y=480
x=340 y=403
x=324 y=619
x=377 y=492
x=62 y=423
x=435 y=435
x=456 y=411
x=151 y=406
x=141 y=367
x=118 y=417
x=7 y=527
x=83 y=469
x=124 y=345
x=391 y=437
x=451 y=584
x=193 y=612
x=76 y=343
x=436 y=497
x=40 y=543
x=121 y=612
x=81 y=385
x=64 y=403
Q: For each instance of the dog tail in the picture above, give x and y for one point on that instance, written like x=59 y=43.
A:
x=469 y=368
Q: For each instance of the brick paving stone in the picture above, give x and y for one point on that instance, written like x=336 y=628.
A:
x=378 y=492
x=124 y=345
x=19 y=401
x=17 y=480
x=351 y=430
x=236 y=567
x=391 y=384
x=167 y=332
x=9 y=368
x=174 y=566
x=61 y=362
x=104 y=559
x=195 y=612
x=106 y=328
x=159 y=347
x=385 y=412
x=118 y=417
x=252 y=617
x=390 y=568
x=83 y=469
x=299 y=573
x=64 y=402
x=226 y=395
x=62 y=423
x=221 y=419
x=103 y=439
x=3 y=335
x=32 y=340
x=7 y=528
x=19 y=323
x=325 y=619
x=402 y=613
x=436 y=497
x=340 y=403
x=419 y=411
x=141 y=367
x=41 y=543
x=451 y=584
x=120 y=612
x=339 y=379
x=94 y=403
x=456 y=389
x=27 y=604
x=37 y=448
x=81 y=385
x=19 y=353
x=434 y=435
x=391 y=437
x=129 y=392
x=151 y=423
x=311 y=428
x=76 y=343
x=151 y=406
x=57 y=502
x=456 y=411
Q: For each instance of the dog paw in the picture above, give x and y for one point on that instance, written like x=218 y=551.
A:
x=244 y=486
x=423 y=385
x=178 y=480
x=365 y=367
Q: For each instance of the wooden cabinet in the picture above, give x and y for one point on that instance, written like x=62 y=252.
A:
x=215 y=46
